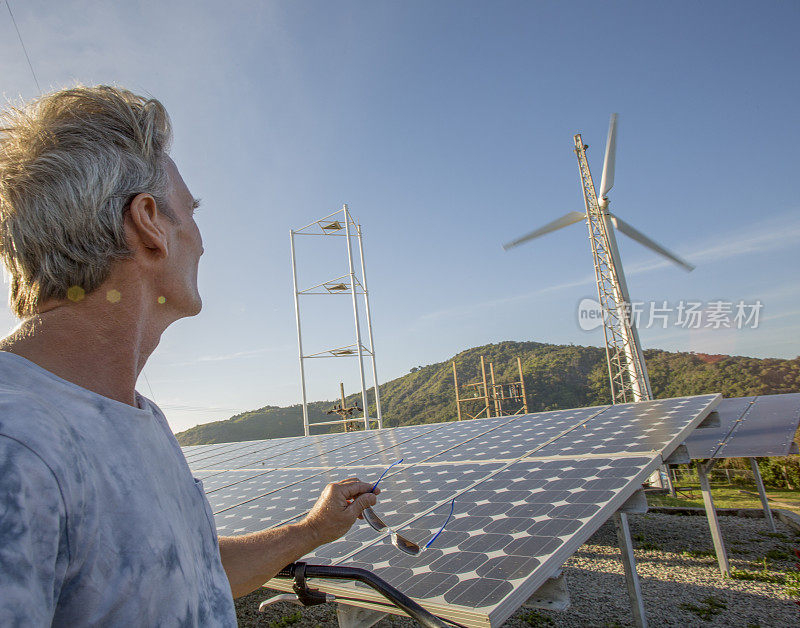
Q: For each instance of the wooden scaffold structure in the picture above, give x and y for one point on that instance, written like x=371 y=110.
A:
x=490 y=394
x=347 y=413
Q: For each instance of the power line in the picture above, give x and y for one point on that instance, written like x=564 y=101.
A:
x=152 y=396
x=188 y=408
x=25 y=50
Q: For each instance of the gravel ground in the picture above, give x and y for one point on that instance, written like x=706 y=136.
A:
x=679 y=588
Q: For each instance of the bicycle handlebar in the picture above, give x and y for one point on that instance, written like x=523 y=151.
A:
x=398 y=598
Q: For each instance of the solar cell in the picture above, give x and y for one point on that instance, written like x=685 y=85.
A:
x=274 y=456
x=277 y=454
x=207 y=458
x=225 y=478
x=529 y=490
x=749 y=427
x=519 y=436
x=630 y=428
x=193 y=451
x=417 y=445
x=316 y=456
x=190 y=451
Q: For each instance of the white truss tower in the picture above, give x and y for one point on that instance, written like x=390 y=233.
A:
x=339 y=224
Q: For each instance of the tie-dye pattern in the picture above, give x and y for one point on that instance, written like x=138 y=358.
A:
x=101 y=521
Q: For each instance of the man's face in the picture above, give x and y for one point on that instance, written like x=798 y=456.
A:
x=185 y=248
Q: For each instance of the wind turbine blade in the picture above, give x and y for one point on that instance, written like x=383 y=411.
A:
x=637 y=235
x=565 y=221
x=607 y=182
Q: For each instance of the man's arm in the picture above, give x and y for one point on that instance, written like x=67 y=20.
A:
x=252 y=559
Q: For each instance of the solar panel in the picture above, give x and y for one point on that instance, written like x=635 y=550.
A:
x=529 y=491
x=749 y=427
x=261 y=451
x=505 y=541
x=192 y=450
x=195 y=451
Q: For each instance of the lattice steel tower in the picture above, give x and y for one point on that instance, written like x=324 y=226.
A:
x=626 y=367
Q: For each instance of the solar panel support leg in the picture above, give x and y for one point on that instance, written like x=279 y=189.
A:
x=679 y=456
x=670 y=485
x=629 y=562
x=636 y=504
x=553 y=595
x=762 y=494
x=355 y=617
x=711 y=514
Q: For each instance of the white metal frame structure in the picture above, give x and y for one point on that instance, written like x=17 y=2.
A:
x=339 y=224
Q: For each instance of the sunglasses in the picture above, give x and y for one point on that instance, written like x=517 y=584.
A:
x=398 y=540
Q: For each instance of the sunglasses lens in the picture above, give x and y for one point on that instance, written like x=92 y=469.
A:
x=373 y=519
x=405 y=545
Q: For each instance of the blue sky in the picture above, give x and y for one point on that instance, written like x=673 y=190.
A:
x=447 y=127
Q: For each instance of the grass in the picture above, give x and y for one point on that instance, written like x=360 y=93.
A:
x=708 y=607
x=776 y=554
x=643 y=544
x=790 y=579
x=287 y=620
x=793 y=583
x=724 y=497
x=793 y=580
x=774 y=535
x=535 y=618
x=699 y=553
x=760 y=576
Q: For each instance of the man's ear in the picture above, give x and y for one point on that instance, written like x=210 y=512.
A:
x=146 y=225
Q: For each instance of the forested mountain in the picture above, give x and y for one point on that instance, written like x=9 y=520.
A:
x=556 y=376
x=266 y=422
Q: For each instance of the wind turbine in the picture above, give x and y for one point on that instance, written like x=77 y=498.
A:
x=626 y=366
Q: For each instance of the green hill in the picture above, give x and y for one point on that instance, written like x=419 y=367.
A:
x=266 y=422
x=556 y=376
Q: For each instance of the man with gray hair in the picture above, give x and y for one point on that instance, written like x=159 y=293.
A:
x=101 y=521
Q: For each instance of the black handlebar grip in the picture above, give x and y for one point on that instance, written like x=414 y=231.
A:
x=286 y=572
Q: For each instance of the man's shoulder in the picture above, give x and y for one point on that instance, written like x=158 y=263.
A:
x=38 y=424
x=23 y=411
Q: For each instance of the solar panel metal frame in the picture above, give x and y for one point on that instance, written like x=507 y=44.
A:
x=512 y=601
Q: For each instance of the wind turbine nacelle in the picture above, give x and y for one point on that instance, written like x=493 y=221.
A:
x=603 y=202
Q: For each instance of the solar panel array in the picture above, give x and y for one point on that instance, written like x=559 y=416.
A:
x=529 y=491
x=749 y=427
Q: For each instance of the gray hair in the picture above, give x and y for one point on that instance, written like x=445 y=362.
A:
x=70 y=163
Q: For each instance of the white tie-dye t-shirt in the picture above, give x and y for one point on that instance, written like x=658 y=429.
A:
x=101 y=521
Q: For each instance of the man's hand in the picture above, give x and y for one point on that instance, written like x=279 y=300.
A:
x=252 y=559
x=337 y=509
